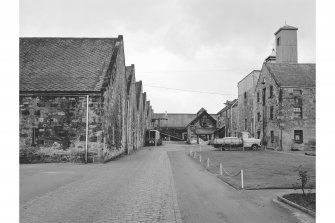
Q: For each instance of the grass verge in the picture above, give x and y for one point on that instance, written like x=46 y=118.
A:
x=262 y=169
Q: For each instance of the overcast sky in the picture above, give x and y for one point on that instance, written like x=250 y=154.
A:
x=197 y=45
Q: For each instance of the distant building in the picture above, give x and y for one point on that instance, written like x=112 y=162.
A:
x=246 y=97
x=228 y=120
x=174 y=126
x=202 y=127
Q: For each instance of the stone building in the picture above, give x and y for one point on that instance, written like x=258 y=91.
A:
x=228 y=120
x=285 y=97
x=246 y=95
x=140 y=116
x=57 y=76
x=64 y=79
x=131 y=109
x=285 y=106
x=202 y=127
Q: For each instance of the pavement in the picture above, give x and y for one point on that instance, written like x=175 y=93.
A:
x=155 y=184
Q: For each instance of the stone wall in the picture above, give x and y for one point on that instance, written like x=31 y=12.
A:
x=114 y=107
x=60 y=121
x=246 y=97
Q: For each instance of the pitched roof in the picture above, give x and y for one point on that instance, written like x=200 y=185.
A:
x=286 y=27
x=64 y=64
x=129 y=76
x=138 y=88
x=177 y=120
x=200 y=113
x=300 y=75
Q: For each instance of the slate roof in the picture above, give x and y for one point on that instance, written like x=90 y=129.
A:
x=129 y=76
x=64 y=64
x=286 y=27
x=299 y=75
x=138 y=88
x=177 y=120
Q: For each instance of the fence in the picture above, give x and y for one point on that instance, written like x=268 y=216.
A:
x=223 y=171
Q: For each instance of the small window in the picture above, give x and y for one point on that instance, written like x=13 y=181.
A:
x=34 y=137
x=258 y=116
x=257 y=96
x=271 y=91
x=264 y=96
x=271 y=112
x=280 y=95
x=278 y=41
x=298 y=136
x=297 y=112
x=258 y=134
x=272 y=137
x=298 y=100
x=297 y=91
x=245 y=95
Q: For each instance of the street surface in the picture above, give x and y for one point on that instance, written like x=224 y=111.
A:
x=155 y=184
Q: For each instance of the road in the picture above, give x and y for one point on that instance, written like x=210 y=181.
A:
x=160 y=184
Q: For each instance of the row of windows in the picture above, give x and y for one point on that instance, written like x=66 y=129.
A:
x=271 y=95
x=297 y=111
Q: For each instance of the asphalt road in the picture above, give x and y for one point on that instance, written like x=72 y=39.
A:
x=160 y=184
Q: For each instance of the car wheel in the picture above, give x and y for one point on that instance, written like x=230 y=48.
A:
x=254 y=147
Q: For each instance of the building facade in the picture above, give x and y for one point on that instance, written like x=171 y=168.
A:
x=285 y=110
x=75 y=92
x=246 y=96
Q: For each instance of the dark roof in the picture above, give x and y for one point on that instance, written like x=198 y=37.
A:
x=300 y=75
x=200 y=113
x=177 y=120
x=129 y=75
x=138 y=88
x=64 y=64
x=286 y=27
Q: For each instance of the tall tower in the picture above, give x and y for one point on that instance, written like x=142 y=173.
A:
x=286 y=45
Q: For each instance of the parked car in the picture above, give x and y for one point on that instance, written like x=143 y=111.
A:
x=244 y=139
x=152 y=138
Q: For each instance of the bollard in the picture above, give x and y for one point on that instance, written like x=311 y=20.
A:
x=200 y=147
x=207 y=163
x=221 y=169
x=242 y=183
x=190 y=152
x=200 y=158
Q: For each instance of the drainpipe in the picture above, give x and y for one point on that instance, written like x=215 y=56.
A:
x=86 y=147
x=231 y=116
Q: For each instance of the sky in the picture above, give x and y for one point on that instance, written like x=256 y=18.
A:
x=203 y=46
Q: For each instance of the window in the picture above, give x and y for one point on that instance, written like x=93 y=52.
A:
x=297 y=112
x=272 y=137
x=264 y=96
x=258 y=134
x=278 y=41
x=258 y=116
x=271 y=112
x=245 y=124
x=271 y=92
x=298 y=136
x=280 y=95
x=34 y=137
x=298 y=100
x=297 y=92
x=257 y=96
